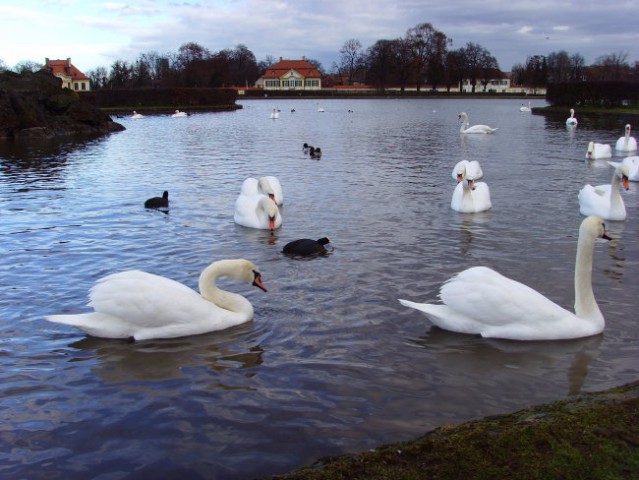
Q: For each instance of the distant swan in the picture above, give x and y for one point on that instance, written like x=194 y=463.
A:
x=626 y=143
x=140 y=305
x=570 y=121
x=255 y=210
x=598 y=150
x=465 y=128
x=605 y=200
x=136 y=115
x=480 y=301
x=524 y=108
x=179 y=114
x=158 y=202
x=275 y=113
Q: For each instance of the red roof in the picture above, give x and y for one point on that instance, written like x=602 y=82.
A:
x=281 y=68
x=65 y=67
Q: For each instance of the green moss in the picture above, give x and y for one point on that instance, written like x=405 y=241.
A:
x=595 y=436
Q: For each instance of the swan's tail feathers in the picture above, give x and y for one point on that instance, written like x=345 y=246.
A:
x=94 y=324
x=422 y=307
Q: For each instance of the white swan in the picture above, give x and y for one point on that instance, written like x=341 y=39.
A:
x=605 y=200
x=571 y=120
x=255 y=210
x=136 y=115
x=271 y=187
x=626 y=143
x=598 y=150
x=481 y=301
x=178 y=114
x=275 y=113
x=142 y=306
x=465 y=128
x=632 y=164
x=467 y=167
x=524 y=108
x=470 y=196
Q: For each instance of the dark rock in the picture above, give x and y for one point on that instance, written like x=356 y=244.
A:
x=33 y=105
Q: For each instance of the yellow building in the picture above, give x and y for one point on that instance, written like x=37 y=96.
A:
x=71 y=77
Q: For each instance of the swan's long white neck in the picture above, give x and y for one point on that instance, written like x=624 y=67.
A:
x=586 y=306
x=616 y=202
x=222 y=298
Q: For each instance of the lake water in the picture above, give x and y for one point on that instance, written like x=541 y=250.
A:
x=332 y=363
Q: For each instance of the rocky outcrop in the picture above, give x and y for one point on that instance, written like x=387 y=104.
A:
x=33 y=105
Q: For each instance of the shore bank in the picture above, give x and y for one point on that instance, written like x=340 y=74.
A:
x=591 y=436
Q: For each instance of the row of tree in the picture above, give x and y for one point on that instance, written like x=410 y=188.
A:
x=422 y=57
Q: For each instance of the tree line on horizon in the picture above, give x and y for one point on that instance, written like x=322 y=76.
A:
x=421 y=58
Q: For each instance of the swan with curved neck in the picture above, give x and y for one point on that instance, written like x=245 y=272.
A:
x=598 y=151
x=140 y=305
x=254 y=209
x=470 y=196
x=271 y=187
x=465 y=168
x=571 y=120
x=605 y=200
x=481 y=301
x=466 y=128
x=626 y=143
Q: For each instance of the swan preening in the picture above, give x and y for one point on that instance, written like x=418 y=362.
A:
x=605 y=200
x=571 y=120
x=481 y=301
x=626 y=143
x=255 y=209
x=465 y=128
x=140 y=305
x=469 y=195
x=598 y=151
x=158 y=202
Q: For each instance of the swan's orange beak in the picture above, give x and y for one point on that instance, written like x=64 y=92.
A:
x=626 y=183
x=459 y=177
x=271 y=223
x=257 y=281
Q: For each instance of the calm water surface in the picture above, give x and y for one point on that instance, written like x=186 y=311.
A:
x=331 y=363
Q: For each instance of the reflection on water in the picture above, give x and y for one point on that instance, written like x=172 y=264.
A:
x=331 y=362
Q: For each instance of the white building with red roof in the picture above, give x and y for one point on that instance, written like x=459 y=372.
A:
x=291 y=75
x=71 y=77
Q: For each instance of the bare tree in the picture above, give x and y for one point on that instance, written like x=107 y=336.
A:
x=381 y=63
x=429 y=48
x=479 y=64
x=613 y=67
x=351 y=59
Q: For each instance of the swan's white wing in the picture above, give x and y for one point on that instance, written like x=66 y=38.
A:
x=594 y=200
x=481 y=197
x=145 y=300
x=495 y=301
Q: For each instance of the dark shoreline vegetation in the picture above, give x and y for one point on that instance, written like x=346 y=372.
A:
x=589 y=436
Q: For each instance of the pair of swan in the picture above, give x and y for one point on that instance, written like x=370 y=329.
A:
x=140 y=306
x=256 y=206
x=626 y=143
x=571 y=121
x=466 y=128
x=158 y=202
x=481 y=301
x=469 y=195
x=598 y=151
x=605 y=200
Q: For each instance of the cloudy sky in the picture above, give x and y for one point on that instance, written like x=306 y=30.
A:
x=96 y=33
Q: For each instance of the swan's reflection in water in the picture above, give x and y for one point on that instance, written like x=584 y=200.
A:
x=477 y=357
x=169 y=359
